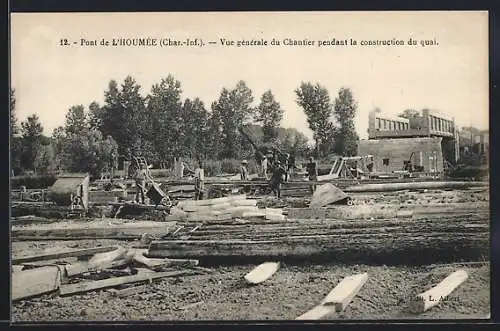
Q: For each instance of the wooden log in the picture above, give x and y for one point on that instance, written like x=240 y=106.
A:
x=399 y=246
x=111 y=256
x=111 y=232
x=84 y=287
x=80 y=268
x=247 y=202
x=359 y=212
x=61 y=255
x=275 y=217
x=262 y=272
x=254 y=214
x=221 y=206
x=438 y=293
x=412 y=186
x=156 y=264
x=338 y=299
x=32 y=282
x=32 y=219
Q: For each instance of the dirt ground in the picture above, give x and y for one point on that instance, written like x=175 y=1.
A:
x=293 y=290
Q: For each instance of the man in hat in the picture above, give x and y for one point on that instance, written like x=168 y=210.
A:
x=312 y=173
x=243 y=170
x=199 y=181
x=140 y=182
x=277 y=178
x=264 y=166
x=287 y=167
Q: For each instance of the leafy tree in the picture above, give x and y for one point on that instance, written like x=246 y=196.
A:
x=123 y=114
x=165 y=125
x=346 y=138
x=234 y=110
x=31 y=130
x=14 y=128
x=95 y=116
x=315 y=101
x=44 y=160
x=15 y=140
x=270 y=114
x=195 y=120
x=76 y=120
x=213 y=135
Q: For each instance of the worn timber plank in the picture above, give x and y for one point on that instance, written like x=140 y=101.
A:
x=32 y=282
x=338 y=299
x=262 y=272
x=345 y=291
x=438 y=293
x=61 y=255
x=84 y=287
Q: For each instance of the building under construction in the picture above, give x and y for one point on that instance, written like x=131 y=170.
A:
x=428 y=141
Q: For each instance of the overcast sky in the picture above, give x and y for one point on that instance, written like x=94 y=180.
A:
x=451 y=77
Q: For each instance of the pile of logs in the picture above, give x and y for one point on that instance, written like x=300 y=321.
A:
x=226 y=208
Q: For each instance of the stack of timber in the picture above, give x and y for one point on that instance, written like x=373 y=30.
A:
x=415 y=239
x=226 y=208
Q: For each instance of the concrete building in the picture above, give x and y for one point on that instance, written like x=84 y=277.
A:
x=429 y=139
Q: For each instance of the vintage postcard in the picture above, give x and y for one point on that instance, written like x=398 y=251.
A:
x=249 y=166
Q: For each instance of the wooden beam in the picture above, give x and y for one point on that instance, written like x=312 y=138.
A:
x=262 y=272
x=120 y=232
x=338 y=299
x=61 y=255
x=112 y=282
x=438 y=293
x=345 y=291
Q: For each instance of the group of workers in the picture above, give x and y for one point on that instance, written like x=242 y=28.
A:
x=278 y=173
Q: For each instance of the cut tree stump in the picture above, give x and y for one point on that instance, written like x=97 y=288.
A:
x=338 y=299
x=32 y=282
x=84 y=287
x=438 y=293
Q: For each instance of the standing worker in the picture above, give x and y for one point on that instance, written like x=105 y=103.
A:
x=140 y=182
x=244 y=170
x=287 y=167
x=277 y=178
x=199 y=181
x=312 y=173
x=264 y=167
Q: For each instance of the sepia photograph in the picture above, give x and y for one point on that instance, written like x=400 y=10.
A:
x=204 y=166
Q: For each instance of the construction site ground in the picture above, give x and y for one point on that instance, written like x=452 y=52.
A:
x=223 y=295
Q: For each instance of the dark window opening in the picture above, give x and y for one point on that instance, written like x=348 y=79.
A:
x=385 y=162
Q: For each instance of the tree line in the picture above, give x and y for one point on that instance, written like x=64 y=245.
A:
x=163 y=125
